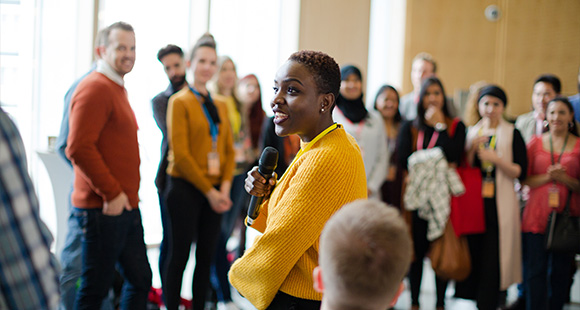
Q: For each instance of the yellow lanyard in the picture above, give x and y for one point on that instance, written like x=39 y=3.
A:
x=491 y=141
x=485 y=165
x=309 y=146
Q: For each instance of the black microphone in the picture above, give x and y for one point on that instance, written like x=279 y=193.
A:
x=266 y=166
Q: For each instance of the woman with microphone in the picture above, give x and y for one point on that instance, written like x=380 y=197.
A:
x=327 y=173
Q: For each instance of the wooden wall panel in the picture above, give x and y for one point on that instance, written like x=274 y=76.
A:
x=540 y=38
x=458 y=36
x=338 y=28
x=530 y=38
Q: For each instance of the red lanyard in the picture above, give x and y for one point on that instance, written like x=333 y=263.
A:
x=421 y=137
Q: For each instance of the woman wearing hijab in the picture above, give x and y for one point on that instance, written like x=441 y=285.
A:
x=367 y=128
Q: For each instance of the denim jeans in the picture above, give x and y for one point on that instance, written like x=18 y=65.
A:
x=110 y=241
x=546 y=274
x=71 y=263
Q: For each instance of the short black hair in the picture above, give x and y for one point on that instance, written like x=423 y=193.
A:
x=169 y=49
x=118 y=25
x=206 y=40
x=325 y=70
x=550 y=79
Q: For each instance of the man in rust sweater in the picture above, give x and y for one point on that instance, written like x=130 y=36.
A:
x=103 y=148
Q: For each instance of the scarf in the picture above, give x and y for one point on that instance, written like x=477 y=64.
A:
x=106 y=69
x=211 y=108
x=354 y=110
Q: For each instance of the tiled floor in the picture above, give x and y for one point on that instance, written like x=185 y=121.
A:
x=153 y=255
x=427 y=298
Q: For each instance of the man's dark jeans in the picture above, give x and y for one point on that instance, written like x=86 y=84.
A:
x=110 y=241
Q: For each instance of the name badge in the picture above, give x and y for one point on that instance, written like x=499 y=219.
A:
x=488 y=188
x=392 y=174
x=553 y=197
x=213 y=164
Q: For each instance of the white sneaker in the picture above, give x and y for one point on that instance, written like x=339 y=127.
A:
x=227 y=306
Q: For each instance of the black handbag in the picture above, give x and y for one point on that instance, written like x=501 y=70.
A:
x=563 y=230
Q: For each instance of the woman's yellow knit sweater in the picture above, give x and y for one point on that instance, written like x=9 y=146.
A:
x=320 y=182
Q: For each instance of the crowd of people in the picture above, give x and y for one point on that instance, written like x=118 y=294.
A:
x=334 y=151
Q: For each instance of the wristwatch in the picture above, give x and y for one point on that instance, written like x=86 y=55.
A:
x=440 y=126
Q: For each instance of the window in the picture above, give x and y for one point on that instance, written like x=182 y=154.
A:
x=46 y=45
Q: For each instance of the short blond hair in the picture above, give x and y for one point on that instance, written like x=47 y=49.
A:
x=105 y=33
x=426 y=57
x=365 y=252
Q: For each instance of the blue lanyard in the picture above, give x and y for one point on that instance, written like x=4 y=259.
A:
x=213 y=129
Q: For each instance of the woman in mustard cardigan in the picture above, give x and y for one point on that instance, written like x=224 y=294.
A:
x=327 y=173
x=201 y=165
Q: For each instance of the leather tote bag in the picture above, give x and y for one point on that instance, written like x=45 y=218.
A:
x=563 y=230
x=449 y=255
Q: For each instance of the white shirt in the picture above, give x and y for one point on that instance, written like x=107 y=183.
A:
x=106 y=69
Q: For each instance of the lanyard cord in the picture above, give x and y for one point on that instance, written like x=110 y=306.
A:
x=563 y=148
x=485 y=165
x=213 y=129
x=492 y=141
x=309 y=146
x=432 y=141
